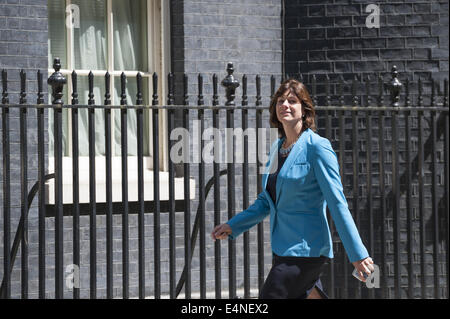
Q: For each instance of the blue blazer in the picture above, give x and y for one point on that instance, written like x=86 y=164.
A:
x=308 y=181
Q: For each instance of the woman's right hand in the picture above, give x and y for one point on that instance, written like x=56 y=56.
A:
x=221 y=232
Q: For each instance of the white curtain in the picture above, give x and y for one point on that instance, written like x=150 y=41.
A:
x=129 y=48
x=90 y=52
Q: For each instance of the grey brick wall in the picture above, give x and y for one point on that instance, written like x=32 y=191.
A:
x=330 y=38
x=23 y=46
x=23 y=38
x=359 y=207
x=207 y=35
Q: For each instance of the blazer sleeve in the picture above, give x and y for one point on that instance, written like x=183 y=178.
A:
x=248 y=218
x=326 y=169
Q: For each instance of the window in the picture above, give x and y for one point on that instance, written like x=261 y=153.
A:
x=102 y=36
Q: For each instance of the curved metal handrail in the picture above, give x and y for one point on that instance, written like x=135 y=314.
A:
x=19 y=232
x=195 y=232
x=35 y=189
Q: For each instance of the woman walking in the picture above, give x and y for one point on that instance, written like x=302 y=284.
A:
x=302 y=178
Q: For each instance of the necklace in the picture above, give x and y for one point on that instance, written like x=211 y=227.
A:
x=285 y=151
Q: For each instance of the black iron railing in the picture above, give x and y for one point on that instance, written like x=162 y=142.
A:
x=388 y=157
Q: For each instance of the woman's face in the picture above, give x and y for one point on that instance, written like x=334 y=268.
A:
x=289 y=109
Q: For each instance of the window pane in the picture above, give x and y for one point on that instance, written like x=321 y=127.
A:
x=56 y=32
x=130 y=35
x=89 y=50
x=131 y=91
x=83 y=124
x=90 y=39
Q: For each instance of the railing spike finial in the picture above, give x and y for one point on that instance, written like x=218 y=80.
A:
x=368 y=96
x=314 y=90
x=200 y=100
x=433 y=92
x=139 y=99
x=327 y=90
x=354 y=89
x=91 y=100
x=380 y=90
x=57 y=81
x=407 y=95
x=230 y=84
x=23 y=84
x=5 y=99
x=40 y=95
x=445 y=102
x=123 y=88
x=155 y=89
x=420 y=96
x=171 y=86
x=74 y=88
x=185 y=89
x=258 y=90
x=340 y=89
x=395 y=87
x=215 y=101
x=107 y=88
x=272 y=86
x=244 y=90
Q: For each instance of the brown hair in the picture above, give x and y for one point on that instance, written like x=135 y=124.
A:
x=299 y=90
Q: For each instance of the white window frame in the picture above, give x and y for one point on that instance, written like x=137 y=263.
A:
x=158 y=27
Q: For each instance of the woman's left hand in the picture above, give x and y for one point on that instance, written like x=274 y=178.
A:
x=364 y=266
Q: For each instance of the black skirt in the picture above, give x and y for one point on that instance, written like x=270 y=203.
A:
x=294 y=277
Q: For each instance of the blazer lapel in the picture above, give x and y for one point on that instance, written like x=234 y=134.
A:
x=296 y=150
x=272 y=161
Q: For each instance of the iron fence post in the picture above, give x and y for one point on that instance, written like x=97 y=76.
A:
x=57 y=82
x=230 y=84
x=6 y=283
x=395 y=87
